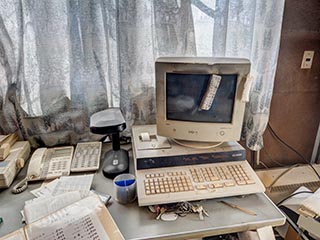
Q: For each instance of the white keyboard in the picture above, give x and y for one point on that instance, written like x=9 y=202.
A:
x=86 y=157
x=196 y=182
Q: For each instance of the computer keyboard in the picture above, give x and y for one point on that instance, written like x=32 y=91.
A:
x=196 y=182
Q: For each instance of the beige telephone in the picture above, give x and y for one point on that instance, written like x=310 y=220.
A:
x=47 y=163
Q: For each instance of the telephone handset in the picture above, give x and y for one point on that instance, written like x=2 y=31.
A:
x=34 y=167
x=50 y=163
x=47 y=163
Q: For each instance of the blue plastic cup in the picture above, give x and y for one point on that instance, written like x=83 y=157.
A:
x=125 y=188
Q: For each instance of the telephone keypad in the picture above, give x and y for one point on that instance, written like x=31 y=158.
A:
x=56 y=162
x=86 y=157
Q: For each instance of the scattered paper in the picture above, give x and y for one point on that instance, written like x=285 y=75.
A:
x=78 y=221
x=41 y=207
x=295 y=201
x=16 y=235
x=87 y=227
x=46 y=189
x=312 y=204
x=81 y=183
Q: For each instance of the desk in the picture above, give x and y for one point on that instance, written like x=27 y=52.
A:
x=138 y=223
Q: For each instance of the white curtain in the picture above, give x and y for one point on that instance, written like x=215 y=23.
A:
x=63 y=60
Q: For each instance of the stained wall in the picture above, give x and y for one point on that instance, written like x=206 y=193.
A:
x=295 y=107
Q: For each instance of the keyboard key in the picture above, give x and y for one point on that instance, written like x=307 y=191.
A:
x=218 y=185
x=241 y=182
x=229 y=184
x=249 y=181
x=201 y=187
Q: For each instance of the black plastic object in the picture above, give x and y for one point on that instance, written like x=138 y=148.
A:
x=111 y=121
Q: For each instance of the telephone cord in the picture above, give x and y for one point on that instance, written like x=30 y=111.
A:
x=20 y=186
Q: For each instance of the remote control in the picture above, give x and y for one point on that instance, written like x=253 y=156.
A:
x=86 y=157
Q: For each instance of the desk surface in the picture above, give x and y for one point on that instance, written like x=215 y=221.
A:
x=138 y=223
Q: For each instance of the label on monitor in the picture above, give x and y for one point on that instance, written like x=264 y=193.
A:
x=210 y=93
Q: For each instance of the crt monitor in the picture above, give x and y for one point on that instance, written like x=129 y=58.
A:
x=199 y=99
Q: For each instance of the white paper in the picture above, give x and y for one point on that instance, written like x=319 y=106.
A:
x=81 y=183
x=41 y=207
x=313 y=202
x=46 y=189
x=17 y=235
x=78 y=221
x=23 y=220
x=246 y=90
x=295 y=201
x=86 y=228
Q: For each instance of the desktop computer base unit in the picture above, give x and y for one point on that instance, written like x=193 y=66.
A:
x=167 y=172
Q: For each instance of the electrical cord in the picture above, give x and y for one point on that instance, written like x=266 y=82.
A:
x=264 y=165
x=274 y=134
x=282 y=174
x=291 y=222
x=20 y=186
x=272 y=160
x=294 y=226
x=291 y=195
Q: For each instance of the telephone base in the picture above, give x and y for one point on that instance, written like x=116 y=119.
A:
x=115 y=162
x=9 y=167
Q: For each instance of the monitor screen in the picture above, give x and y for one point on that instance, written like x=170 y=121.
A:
x=200 y=99
x=184 y=93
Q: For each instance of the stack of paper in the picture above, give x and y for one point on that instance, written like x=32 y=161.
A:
x=298 y=196
x=55 y=195
x=81 y=183
x=311 y=205
x=87 y=219
x=66 y=209
x=38 y=208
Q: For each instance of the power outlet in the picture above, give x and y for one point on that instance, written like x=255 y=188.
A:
x=307 y=59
